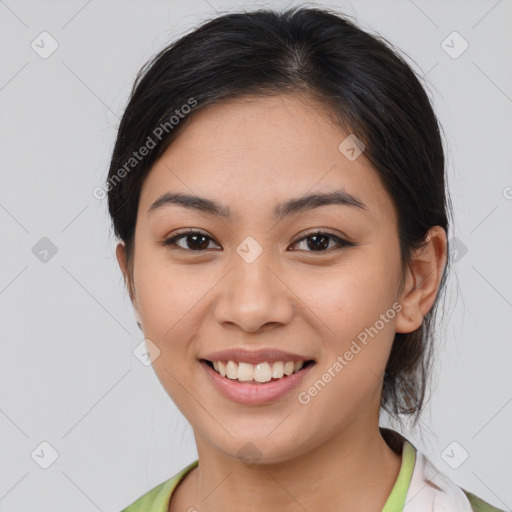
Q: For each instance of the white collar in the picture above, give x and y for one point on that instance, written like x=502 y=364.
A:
x=432 y=491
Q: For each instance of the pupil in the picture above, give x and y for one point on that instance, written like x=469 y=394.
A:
x=195 y=245
x=318 y=245
x=315 y=242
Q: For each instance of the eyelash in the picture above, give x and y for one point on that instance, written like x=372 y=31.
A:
x=170 y=242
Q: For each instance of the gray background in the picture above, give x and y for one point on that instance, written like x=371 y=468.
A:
x=68 y=375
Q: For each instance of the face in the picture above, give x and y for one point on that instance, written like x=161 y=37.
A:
x=268 y=270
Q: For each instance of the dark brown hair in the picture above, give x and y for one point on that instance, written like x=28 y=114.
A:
x=367 y=86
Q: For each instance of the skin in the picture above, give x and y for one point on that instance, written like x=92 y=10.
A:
x=250 y=154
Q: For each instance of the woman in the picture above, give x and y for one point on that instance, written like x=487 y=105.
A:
x=277 y=187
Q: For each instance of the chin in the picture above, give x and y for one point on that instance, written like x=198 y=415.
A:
x=254 y=448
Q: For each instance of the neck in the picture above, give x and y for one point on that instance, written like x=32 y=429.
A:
x=350 y=471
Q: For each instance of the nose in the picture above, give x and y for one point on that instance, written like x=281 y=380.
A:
x=254 y=296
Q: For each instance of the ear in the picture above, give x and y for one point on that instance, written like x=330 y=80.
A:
x=422 y=281
x=121 y=259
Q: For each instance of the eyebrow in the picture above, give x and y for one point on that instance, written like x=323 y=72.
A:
x=290 y=207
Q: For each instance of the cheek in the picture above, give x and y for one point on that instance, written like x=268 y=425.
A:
x=169 y=307
x=353 y=296
x=356 y=304
x=167 y=299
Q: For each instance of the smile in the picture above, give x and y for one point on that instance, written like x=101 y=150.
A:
x=257 y=373
x=239 y=382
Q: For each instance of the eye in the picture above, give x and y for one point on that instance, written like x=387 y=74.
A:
x=318 y=241
x=194 y=241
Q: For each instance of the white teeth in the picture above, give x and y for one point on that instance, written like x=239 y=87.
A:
x=278 y=369
x=245 y=371
x=288 y=367
x=231 y=370
x=262 y=372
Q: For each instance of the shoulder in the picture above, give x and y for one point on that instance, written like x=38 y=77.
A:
x=431 y=489
x=157 y=499
x=153 y=500
x=479 y=505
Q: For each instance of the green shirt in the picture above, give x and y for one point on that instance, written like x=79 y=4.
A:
x=412 y=491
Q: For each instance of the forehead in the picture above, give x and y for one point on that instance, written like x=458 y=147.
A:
x=255 y=151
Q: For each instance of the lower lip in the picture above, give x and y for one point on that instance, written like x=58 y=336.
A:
x=255 y=394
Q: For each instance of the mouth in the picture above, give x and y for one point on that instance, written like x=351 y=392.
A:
x=261 y=373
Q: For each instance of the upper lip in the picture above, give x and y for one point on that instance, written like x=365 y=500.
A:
x=242 y=354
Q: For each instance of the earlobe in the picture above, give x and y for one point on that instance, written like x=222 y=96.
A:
x=422 y=281
x=121 y=259
x=410 y=317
